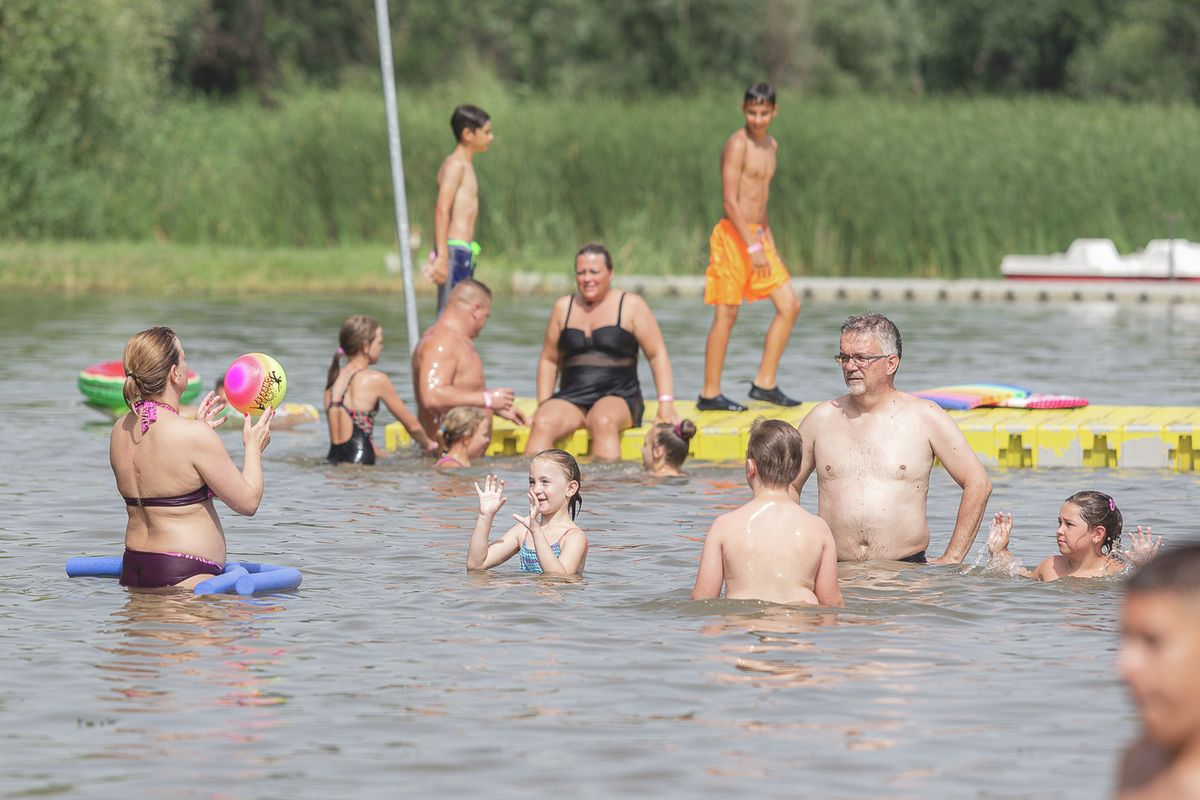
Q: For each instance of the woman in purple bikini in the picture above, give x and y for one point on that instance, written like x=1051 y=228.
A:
x=169 y=469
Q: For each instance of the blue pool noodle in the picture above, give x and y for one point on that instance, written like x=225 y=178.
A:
x=269 y=580
x=244 y=577
x=223 y=582
x=94 y=566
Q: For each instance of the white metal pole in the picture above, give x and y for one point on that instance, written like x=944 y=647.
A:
x=401 y=200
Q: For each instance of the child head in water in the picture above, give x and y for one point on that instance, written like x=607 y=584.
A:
x=465 y=433
x=555 y=473
x=666 y=447
x=1088 y=534
x=1160 y=648
x=547 y=539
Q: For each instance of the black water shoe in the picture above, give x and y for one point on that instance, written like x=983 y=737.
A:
x=718 y=403
x=771 y=396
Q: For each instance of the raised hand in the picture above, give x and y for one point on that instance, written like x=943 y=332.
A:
x=1142 y=546
x=491 y=496
x=534 y=521
x=210 y=410
x=998 y=534
x=259 y=434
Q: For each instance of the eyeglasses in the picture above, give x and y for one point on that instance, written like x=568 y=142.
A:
x=861 y=361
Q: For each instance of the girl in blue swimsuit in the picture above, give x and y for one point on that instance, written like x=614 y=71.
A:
x=547 y=541
x=353 y=392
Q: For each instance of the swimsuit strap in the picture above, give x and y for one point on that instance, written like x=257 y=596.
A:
x=341 y=400
x=568 y=530
x=147 y=410
x=620 y=305
x=570 y=305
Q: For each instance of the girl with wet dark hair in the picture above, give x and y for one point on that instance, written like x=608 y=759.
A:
x=1089 y=536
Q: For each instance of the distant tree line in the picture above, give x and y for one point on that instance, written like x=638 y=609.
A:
x=83 y=84
x=1133 y=49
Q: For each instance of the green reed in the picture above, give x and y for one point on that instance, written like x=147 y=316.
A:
x=865 y=186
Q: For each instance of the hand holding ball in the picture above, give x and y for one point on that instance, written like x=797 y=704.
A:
x=255 y=382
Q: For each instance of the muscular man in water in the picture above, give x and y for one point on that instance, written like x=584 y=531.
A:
x=873 y=450
x=447 y=370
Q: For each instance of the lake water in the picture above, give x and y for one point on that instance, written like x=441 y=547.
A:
x=392 y=672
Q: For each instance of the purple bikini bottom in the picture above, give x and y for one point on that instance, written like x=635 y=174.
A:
x=155 y=570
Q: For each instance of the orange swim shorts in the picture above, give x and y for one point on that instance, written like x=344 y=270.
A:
x=730 y=277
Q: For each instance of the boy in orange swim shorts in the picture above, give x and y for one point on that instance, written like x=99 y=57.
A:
x=743 y=263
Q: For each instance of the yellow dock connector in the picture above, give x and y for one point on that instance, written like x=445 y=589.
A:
x=1104 y=437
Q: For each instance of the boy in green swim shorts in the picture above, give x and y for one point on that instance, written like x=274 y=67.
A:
x=453 y=257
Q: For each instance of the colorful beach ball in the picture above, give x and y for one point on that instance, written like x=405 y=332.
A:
x=253 y=382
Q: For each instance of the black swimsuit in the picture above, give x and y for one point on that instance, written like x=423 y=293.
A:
x=601 y=365
x=357 y=449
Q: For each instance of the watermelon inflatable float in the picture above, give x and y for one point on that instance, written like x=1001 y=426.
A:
x=102 y=386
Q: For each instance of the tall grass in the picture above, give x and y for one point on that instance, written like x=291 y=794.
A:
x=864 y=185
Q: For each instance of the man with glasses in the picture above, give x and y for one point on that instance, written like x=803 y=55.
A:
x=873 y=450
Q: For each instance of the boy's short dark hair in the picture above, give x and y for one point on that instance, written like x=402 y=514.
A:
x=467 y=118
x=759 y=93
x=777 y=450
x=1176 y=570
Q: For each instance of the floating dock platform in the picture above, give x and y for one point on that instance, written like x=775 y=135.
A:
x=1112 y=437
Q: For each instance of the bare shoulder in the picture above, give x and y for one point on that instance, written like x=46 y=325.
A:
x=736 y=141
x=1049 y=570
x=929 y=412
x=725 y=522
x=824 y=411
x=637 y=308
x=452 y=165
x=198 y=434
x=575 y=534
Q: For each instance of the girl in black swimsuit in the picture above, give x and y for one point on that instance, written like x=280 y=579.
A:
x=360 y=342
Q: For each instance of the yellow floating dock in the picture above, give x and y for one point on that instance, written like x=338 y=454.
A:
x=1154 y=437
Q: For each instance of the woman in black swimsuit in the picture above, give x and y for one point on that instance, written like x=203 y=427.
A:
x=590 y=350
x=353 y=392
x=169 y=469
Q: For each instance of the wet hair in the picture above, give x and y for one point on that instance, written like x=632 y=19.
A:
x=356 y=333
x=467 y=118
x=570 y=467
x=674 y=439
x=1098 y=508
x=594 y=249
x=469 y=290
x=759 y=93
x=1176 y=570
x=147 y=360
x=459 y=423
x=220 y=383
x=878 y=326
x=776 y=449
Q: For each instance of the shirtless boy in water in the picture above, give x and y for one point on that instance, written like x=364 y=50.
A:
x=1160 y=650
x=453 y=257
x=770 y=549
x=743 y=264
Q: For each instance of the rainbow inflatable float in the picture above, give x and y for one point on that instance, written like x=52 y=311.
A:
x=102 y=386
x=997 y=395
